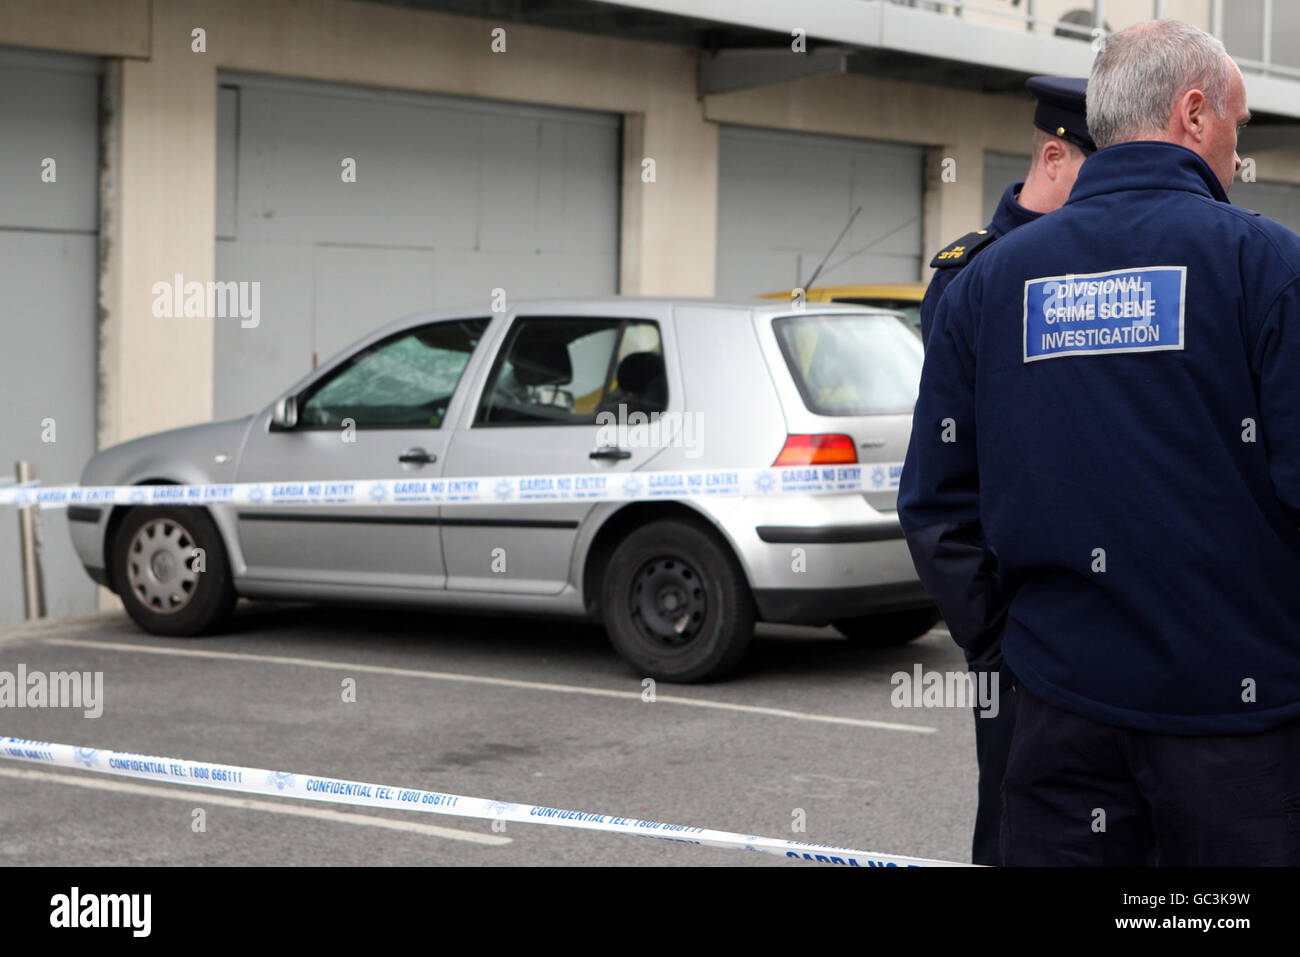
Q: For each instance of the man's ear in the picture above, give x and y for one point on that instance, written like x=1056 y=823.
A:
x=1053 y=157
x=1191 y=110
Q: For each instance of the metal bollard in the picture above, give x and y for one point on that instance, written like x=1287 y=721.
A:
x=29 y=546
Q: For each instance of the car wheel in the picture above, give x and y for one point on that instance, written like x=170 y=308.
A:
x=676 y=603
x=158 y=574
x=889 y=628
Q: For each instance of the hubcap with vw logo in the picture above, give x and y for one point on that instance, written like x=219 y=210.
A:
x=159 y=566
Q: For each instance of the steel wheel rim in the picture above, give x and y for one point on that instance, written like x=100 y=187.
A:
x=160 y=566
x=668 y=602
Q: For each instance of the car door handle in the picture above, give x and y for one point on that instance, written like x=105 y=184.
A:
x=417 y=456
x=610 y=452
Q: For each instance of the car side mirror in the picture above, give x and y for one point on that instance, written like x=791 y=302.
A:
x=284 y=414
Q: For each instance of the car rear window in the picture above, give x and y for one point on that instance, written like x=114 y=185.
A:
x=852 y=364
x=908 y=307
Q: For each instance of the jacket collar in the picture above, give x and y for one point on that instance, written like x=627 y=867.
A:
x=1010 y=213
x=1146 y=164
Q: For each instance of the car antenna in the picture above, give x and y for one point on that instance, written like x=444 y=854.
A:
x=818 y=271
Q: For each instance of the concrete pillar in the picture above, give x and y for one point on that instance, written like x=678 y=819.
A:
x=156 y=373
x=669 y=229
x=954 y=195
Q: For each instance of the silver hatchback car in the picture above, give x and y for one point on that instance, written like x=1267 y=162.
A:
x=556 y=387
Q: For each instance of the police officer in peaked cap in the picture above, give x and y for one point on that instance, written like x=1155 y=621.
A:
x=1061 y=143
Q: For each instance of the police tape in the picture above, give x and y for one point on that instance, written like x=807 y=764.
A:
x=228 y=777
x=483 y=490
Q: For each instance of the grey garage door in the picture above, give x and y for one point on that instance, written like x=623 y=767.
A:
x=784 y=197
x=1280 y=201
x=452 y=198
x=48 y=112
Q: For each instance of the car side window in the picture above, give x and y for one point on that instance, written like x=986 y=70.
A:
x=563 y=371
x=640 y=382
x=406 y=380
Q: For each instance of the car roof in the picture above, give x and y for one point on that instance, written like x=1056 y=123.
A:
x=908 y=291
x=589 y=308
x=756 y=304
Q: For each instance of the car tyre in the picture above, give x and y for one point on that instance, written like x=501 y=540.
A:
x=889 y=628
x=158 y=576
x=676 y=603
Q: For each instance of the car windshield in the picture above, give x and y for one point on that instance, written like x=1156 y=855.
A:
x=852 y=364
x=405 y=380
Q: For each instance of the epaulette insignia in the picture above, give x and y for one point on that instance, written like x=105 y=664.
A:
x=960 y=252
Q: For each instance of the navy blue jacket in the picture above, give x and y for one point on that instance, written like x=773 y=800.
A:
x=1107 y=441
x=1006 y=217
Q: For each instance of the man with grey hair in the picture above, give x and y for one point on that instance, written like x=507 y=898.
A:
x=1117 y=469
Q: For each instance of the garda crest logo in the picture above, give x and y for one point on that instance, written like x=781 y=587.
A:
x=878 y=477
x=281 y=780
x=632 y=485
x=765 y=482
x=378 y=493
x=86 y=756
x=500 y=808
x=502 y=489
x=256 y=493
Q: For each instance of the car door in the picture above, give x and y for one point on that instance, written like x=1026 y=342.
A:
x=379 y=414
x=537 y=414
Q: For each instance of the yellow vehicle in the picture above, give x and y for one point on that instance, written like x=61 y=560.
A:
x=904 y=297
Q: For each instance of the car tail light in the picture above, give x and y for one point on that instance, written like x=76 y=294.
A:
x=830 y=449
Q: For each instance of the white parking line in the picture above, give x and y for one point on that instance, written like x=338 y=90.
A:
x=249 y=804
x=498 y=682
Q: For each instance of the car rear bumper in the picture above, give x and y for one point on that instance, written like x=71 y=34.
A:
x=810 y=560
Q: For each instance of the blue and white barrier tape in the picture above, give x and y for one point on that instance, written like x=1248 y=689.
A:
x=484 y=490
x=308 y=787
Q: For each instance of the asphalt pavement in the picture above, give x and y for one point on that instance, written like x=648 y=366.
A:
x=510 y=709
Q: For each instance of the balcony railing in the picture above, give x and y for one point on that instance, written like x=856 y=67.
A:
x=1249 y=29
